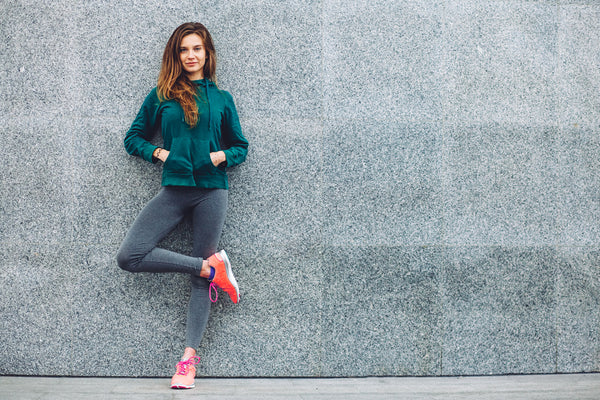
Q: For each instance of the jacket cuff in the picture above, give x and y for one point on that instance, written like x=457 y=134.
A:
x=147 y=154
x=228 y=158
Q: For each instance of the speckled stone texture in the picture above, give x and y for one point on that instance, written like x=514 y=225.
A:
x=421 y=194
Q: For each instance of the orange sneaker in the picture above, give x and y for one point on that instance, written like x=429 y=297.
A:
x=186 y=372
x=223 y=276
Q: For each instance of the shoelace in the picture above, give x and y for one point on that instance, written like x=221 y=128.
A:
x=183 y=367
x=213 y=286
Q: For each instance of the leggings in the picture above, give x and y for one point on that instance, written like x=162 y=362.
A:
x=138 y=252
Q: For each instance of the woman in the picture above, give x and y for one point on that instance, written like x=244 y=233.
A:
x=202 y=136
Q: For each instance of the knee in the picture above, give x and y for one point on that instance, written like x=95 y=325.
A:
x=125 y=260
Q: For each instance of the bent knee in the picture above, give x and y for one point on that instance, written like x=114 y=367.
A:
x=126 y=261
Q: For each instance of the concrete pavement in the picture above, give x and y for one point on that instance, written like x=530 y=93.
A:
x=546 y=387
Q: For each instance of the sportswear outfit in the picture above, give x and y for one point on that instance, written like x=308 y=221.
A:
x=191 y=185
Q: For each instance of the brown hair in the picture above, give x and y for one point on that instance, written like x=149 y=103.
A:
x=173 y=83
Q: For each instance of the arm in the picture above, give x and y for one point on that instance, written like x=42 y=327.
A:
x=143 y=127
x=236 y=145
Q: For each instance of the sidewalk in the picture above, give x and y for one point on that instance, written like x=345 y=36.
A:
x=543 y=387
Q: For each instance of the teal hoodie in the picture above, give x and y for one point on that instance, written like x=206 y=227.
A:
x=189 y=161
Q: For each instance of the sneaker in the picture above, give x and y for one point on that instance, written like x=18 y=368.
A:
x=186 y=372
x=224 y=276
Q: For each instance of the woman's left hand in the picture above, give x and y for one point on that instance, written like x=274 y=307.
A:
x=217 y=158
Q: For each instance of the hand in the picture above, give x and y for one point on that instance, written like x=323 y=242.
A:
x=161 y=154
x=164 y=154
x=217 y=158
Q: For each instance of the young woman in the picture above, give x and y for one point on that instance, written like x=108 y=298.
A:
x=202 y=137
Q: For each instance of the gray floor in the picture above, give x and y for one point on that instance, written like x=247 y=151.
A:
x=578 y=386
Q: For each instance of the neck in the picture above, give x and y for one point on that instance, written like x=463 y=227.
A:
x=196 y=76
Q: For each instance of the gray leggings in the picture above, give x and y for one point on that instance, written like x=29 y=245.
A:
x=138 y=252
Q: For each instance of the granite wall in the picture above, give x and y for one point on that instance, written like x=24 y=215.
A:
x=421 y=195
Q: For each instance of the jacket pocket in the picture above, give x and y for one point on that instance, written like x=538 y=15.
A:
x=201 y=156
x=180 y=156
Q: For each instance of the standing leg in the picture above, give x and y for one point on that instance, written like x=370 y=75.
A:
x=208 y=219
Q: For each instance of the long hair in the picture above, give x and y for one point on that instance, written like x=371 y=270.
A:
x=173 y=82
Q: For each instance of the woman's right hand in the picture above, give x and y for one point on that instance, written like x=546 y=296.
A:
x=161 y=154
x=164 y=154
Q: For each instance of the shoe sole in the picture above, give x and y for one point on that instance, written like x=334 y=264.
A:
x=183 y=386
x=229 y=272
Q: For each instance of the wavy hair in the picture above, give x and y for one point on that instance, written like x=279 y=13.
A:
x=173 y=82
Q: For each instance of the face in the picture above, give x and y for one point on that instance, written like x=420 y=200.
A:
x=193 y=56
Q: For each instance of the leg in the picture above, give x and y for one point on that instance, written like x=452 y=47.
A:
x=208 y=220
x=138 y=252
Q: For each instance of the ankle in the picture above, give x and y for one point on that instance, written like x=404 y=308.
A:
x=205 y=270
x=188 y=353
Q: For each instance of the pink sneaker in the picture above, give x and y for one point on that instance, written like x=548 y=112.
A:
x=223 y=276
x=186 y=372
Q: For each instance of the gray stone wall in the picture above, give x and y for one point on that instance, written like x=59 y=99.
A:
x=421 y=195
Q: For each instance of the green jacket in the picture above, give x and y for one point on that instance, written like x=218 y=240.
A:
x=189 y=161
